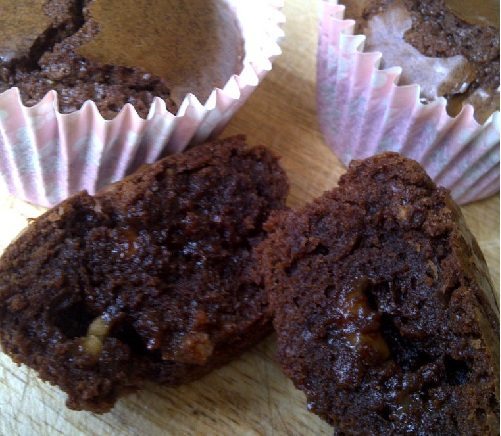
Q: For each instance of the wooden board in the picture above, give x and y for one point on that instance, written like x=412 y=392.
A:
x=250 y=396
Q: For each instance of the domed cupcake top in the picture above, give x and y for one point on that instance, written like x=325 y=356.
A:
x=174 y=40
x=116 y=52
x=17 y=37
x=23 y=23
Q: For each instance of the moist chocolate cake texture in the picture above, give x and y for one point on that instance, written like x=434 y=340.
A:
x=449 y=47
x=152 y=280
x=383 y=306
x=117 y=51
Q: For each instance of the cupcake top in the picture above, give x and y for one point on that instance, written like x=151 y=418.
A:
x=117 y=51
x=449 y=47
x=24 y=22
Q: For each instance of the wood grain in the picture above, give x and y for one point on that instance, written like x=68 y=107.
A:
x=250 y=396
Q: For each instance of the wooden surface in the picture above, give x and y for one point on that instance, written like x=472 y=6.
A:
x=249 y=396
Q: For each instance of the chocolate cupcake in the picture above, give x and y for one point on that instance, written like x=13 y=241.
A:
x=154 y=279
x=449 y=47
x=163 y=74
x=117 y=52
x=402 y=75
x=383 y=306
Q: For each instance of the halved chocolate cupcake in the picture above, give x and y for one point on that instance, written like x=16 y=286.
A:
x=154 y=279
x=383 y=306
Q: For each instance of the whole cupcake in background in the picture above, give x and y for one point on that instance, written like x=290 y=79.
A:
x=173 y=71
x=444 y=56
x=117 y=52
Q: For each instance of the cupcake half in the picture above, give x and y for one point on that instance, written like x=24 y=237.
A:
x=385 y=314
x=104 y=293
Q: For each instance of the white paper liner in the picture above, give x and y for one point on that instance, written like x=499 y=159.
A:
x=362 y=112
x=46 y=156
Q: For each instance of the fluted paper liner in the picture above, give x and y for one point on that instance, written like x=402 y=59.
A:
x=46 y=156
x=362 y=111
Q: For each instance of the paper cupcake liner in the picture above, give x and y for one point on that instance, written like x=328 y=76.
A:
x=362 y=111
x=46 y=156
